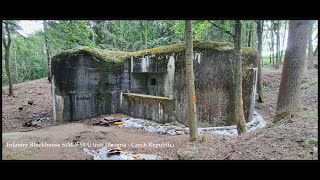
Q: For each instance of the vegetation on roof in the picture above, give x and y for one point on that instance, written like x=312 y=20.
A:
x=249 y=51
x=107 y=55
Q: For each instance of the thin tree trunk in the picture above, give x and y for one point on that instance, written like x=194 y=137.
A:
x=270 y=53
x=222 y=22
x=6 y=44
x=192 y=109
x=145 y=33
x=247 y=32
x=315 y=53
x=46 y=41
x=283 y=40
x=92 y=31
x=278 y=45
x=230 y=39
x=262 y=26
x=15 y=62
x=141 y=35
x=292 y=71
x=238 y=102
x=310 y=47
x=250 y=34
x=259 y=34
x=272 y=41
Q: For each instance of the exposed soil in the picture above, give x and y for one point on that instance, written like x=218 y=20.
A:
x=295 y=137
x=38 y=91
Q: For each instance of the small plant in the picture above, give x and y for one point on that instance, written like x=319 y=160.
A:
x=203 y=138
x=313 y=141
x=313 y=81
x=303 y=153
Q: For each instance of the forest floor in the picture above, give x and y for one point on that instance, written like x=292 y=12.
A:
x=295 y=137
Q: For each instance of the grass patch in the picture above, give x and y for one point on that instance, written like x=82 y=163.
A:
x=303 y=153
x=313 y=141
x=310 y=114
x=312 y=81
x=203 y=138
x=266 y=61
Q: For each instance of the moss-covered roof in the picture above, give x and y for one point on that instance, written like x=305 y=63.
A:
x=249 y=51
x=107 y=55
x=180 y=47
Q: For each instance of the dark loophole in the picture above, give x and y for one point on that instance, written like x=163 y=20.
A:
x=153 y=81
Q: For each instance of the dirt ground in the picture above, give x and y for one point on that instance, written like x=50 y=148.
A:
x=295 y=137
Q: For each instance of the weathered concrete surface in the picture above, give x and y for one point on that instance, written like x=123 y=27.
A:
x=158 y=109
x=213 y=83
x=153 y=75
x=81 y=89
x=249 y=81
x=89 y=83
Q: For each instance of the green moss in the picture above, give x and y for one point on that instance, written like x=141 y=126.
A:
x=119 y=56
x=313 y=81
x=303 y=153
x=249 y=51
x=281 y=116
x=313 y=141
x=97 y=54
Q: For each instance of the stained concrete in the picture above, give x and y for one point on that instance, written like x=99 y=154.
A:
x=90 y=84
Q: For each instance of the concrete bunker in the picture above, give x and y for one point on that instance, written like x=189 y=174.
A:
x=150 y=84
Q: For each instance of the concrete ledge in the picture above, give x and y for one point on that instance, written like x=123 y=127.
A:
x=147 y=96
x=156 y=108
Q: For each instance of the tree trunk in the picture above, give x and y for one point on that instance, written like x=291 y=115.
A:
x=315 y=53
x=247 y=33
x=15 y=63
x=145 y=34
x=310 y=47
x=230 y=39
x=259 y=35
x=250 y=34
x=6 y=43
x=292 y=71
x=278 y=45
x=284 y=37
x=192 y=109
x=272 y=42
x=222 y=22
x=238 y=102
x=141 y=35
x=48 y=49
x=92 y=31
x=270 y=53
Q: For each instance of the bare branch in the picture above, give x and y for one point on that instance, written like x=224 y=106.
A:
x=221 y=28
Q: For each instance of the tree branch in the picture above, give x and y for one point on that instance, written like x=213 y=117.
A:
x=221 y=28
